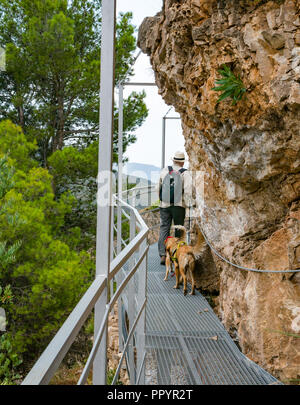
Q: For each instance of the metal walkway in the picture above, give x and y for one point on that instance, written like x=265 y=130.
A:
x=185 y=341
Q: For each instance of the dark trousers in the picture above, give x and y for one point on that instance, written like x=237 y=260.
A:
x=177 y=214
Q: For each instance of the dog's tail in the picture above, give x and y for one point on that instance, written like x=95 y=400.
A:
x=183 y=230
x=189 y=261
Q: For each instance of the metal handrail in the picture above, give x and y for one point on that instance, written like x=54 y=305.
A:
x=125 y=214
x=51 y=358
x=141 y=367
x=137 y=214
x=128 y=340
x=122 y=240
x=49 y=361
x=143 y=192
x=138 y=188
x=109 y=307
x=126 y=253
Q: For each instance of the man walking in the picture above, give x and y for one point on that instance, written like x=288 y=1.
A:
x=172 y=207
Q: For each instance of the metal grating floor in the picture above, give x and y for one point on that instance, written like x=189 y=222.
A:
x=186 y=343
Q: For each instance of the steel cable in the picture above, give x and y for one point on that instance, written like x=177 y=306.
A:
x=242 y=267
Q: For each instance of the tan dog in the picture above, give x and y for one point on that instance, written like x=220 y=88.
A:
x=171 y=244
x=186 y=261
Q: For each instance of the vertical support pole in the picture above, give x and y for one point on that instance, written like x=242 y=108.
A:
x=163 y=141
x=141 y=326
x=119 y=208
x=134 y=199
x=120 y=167
x=120 y=303
x=148 y=203
x=131 y=303
x=149 y=194
x=112 y=221
x=104 y=170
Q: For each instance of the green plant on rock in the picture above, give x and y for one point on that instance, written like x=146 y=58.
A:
x=154 y=205
x=281 y=332
x=110 y=376
x=230 y=86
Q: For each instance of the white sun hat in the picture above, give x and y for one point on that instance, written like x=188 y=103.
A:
x=179 y=157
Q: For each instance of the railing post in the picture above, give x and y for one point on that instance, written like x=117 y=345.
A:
x=149 y=195
x=119 y=280
x=134 y=199
x=141 y=327
x=119 y=207
x=120 y=168
x=104 y=167
x=112 y=247
x=163 y=143
x=131 y=302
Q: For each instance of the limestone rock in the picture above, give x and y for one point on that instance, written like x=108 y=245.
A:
x=250 y=153
x=297 y=38
x=277 y=41
x=200 y=33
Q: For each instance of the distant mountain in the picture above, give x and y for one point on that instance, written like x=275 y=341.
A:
x=140 y=170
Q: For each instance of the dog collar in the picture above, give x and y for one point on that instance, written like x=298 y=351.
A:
x=168 y=237
x=180 y=244
x=174 y=257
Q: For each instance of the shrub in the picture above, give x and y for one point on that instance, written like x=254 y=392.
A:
x=9 y=360
x=48 y=276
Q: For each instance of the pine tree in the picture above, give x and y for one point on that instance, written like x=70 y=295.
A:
x=41 y=261
x=51 y=84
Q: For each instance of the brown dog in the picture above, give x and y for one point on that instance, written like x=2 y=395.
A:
x=186 y=261
x=171 y=244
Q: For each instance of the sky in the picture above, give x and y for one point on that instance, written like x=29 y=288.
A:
x=148 y=147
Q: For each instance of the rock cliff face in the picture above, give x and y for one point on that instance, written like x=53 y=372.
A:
x=249 y=152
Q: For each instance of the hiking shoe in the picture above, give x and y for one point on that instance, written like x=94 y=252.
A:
x=163 y=260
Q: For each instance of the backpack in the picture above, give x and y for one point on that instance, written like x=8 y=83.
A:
x=171 y=189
